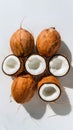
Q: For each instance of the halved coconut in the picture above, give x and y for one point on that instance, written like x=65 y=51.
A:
x=59 y=65
x=12 y=65
x=49 y=89
x=35 y=65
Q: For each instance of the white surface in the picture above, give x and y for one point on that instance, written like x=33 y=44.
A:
x=37 y=14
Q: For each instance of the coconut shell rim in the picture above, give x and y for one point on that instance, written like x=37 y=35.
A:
x=40 y=73
x=50 y=83
x=67 y=61
x=16 y=71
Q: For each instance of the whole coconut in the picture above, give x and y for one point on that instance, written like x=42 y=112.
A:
x=22 y=42
x=23 y=88
x=48 y=42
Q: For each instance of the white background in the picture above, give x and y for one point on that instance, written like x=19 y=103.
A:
x=37 y=14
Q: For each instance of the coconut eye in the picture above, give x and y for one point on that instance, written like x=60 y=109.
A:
x=59 y=65
x=35 y=65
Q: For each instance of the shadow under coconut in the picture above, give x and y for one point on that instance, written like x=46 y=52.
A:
x=67 y=80
x=35 y=107
x=65 y=51
x=62 y=106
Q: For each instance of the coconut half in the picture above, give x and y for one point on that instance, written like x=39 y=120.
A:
x=49 y=89
x=59 y=65
x=49 y=92
x=12 y=65
x=35 y=65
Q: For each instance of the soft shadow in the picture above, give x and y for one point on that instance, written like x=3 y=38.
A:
x=65 y=51
x=35 y=107
x=62 y=106
x=67 y=80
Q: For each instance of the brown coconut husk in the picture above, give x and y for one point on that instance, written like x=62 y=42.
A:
x=47 y=80
x=48 y=42
x=22 y=43
x=23 y=88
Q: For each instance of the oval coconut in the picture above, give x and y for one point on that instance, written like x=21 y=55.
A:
x=23 y=88
x=22 y=43
x=48 y=42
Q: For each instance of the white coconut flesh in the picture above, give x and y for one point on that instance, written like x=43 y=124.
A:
x=49 y=92
x=11 y=65
x=59 y=65
x=35 y=65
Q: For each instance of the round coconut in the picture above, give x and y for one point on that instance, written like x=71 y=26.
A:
x=22 y=43
x=12 y=65
x=48 y=42
x=35 y=65
x=59 y=65
x=49 y=88
x=23 y=88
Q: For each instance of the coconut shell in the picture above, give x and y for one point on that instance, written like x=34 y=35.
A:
x=22 y=42
x=65 y=58
x=46 y=80
x=48 y=42
x=39 y=75
x=21 y=69
x=23 y=88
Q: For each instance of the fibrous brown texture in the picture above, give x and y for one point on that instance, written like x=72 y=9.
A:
x=21 y=69
x=22 y=42
x=23 y=88
x=48 y=42
x=48 y=79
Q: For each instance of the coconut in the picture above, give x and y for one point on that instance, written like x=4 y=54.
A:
x=59 y=65
x=23 y=88
x=49 y=88
x=12 y=65
x=48 y=42
x=22 y=42
x=35 y=65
